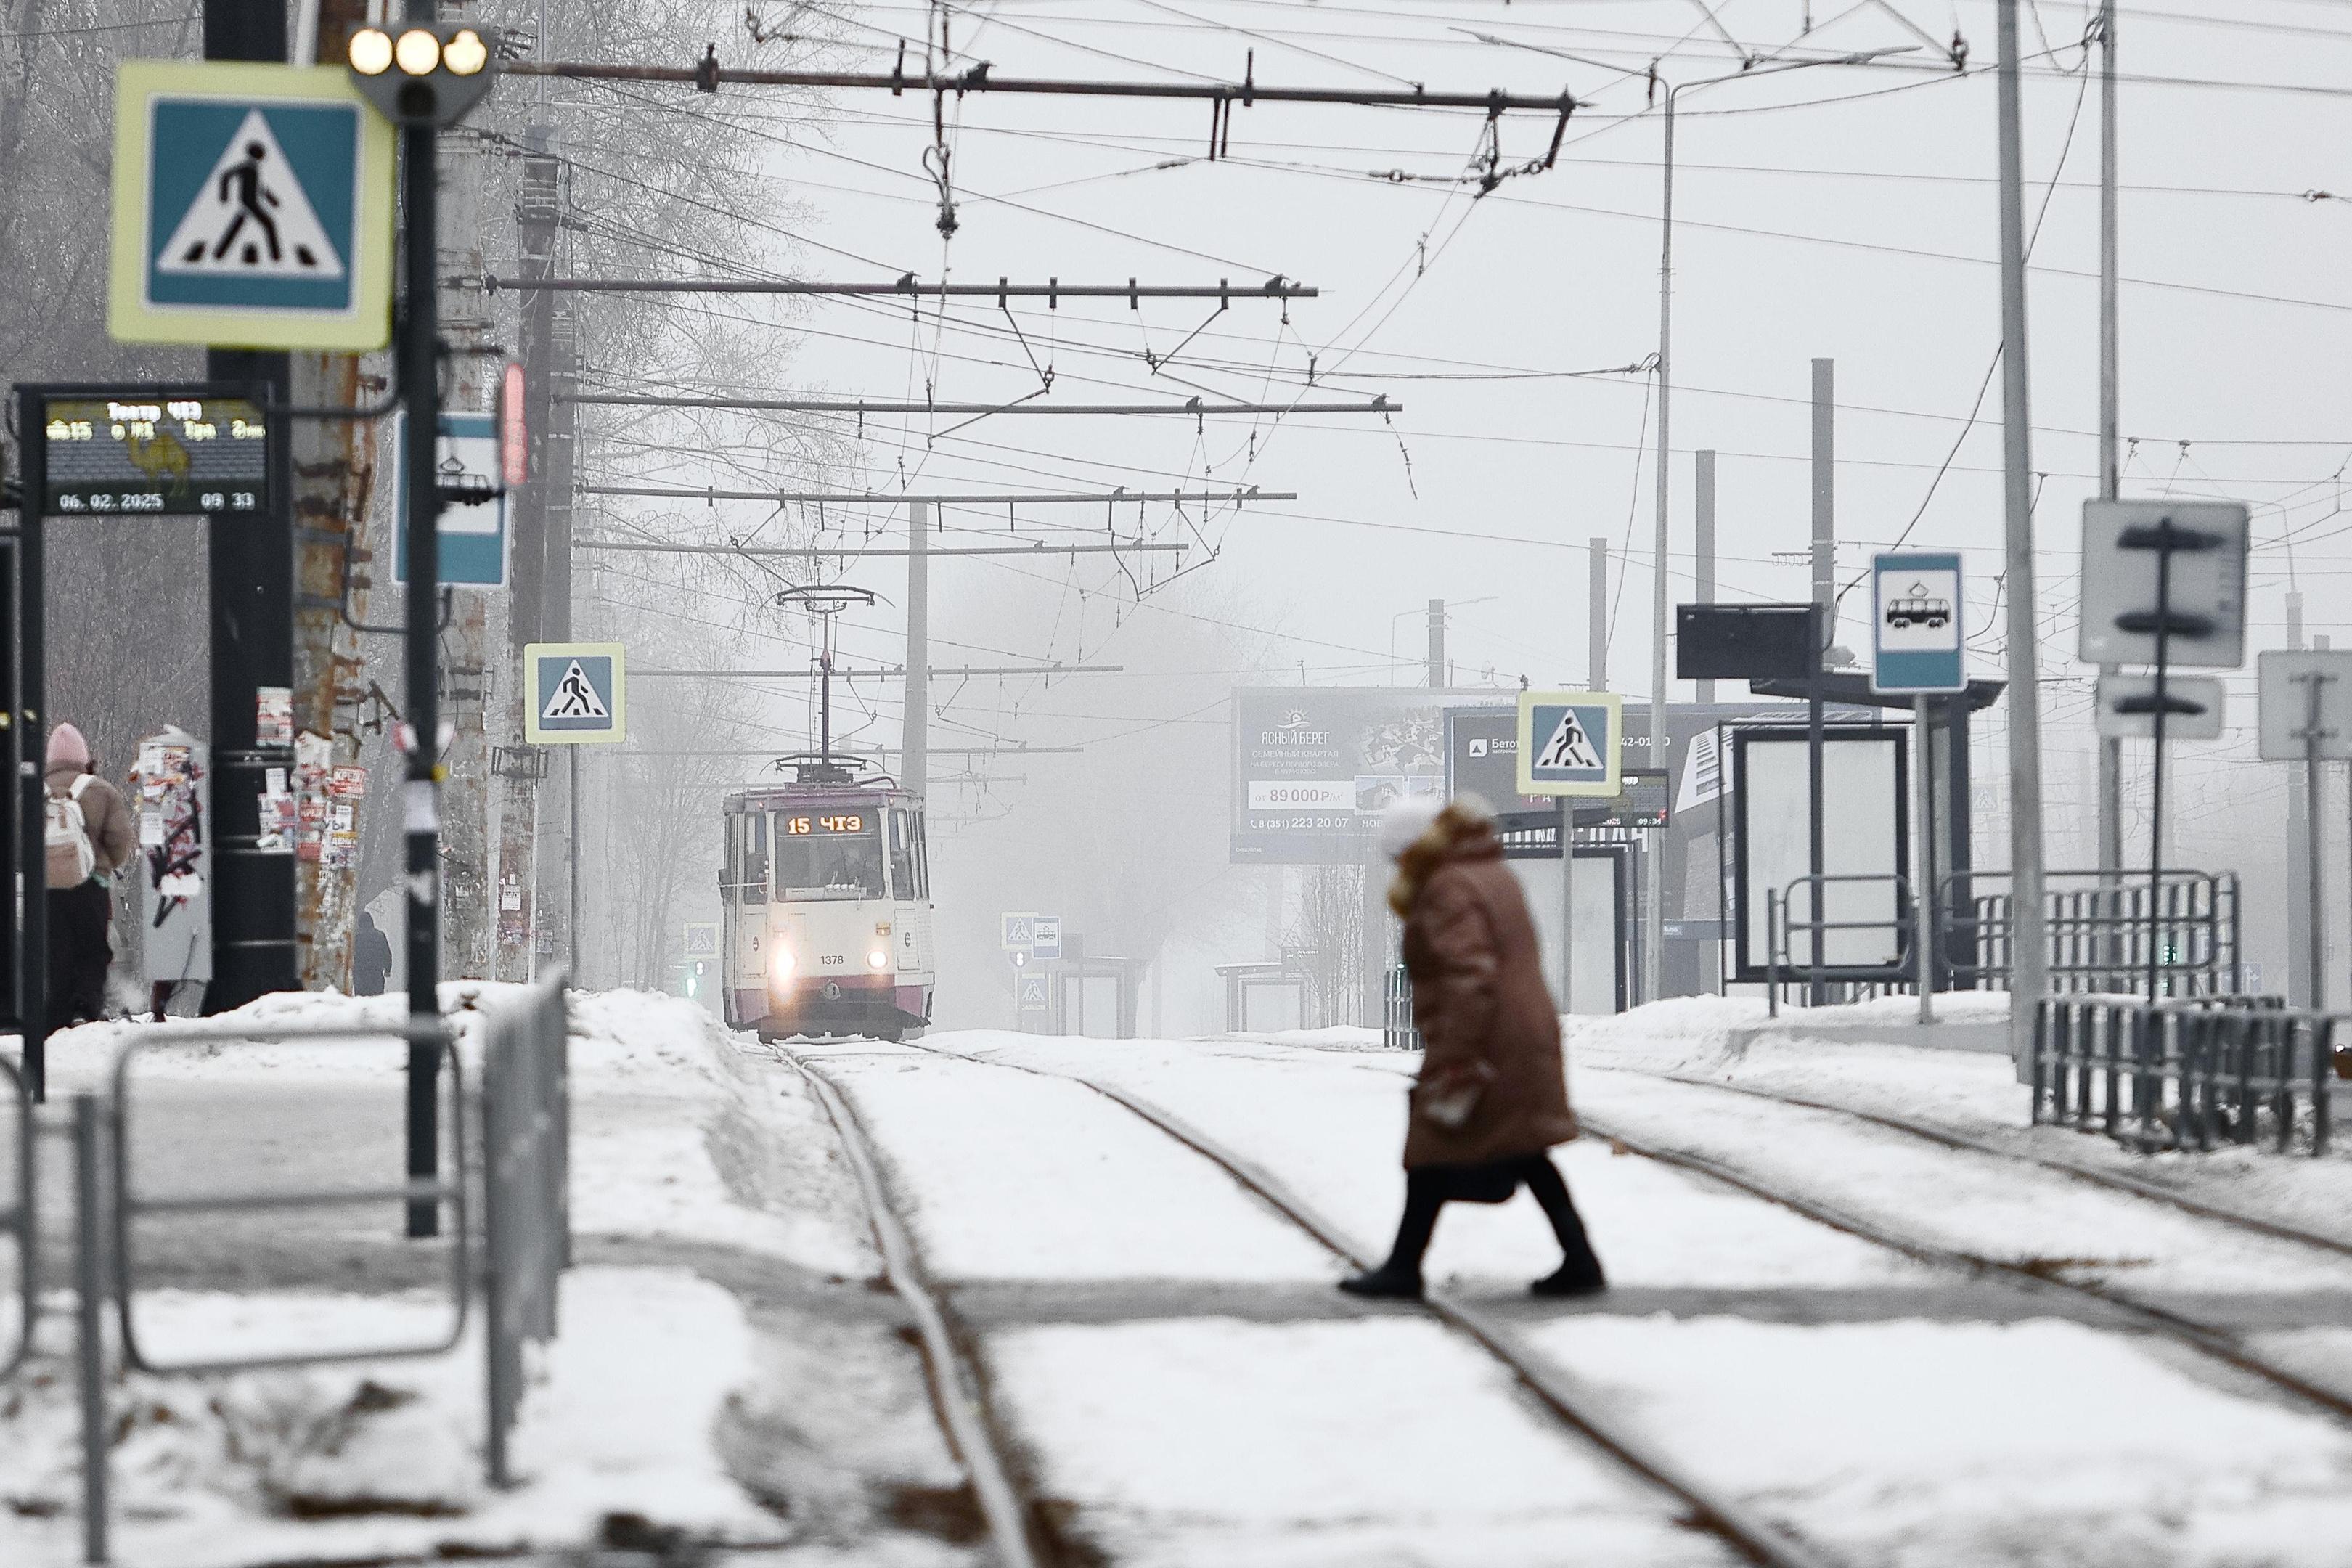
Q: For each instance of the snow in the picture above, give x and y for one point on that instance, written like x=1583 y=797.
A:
x=207 y=1470
x=2037 y=1445
x=977 y=1154
x=1378 y=1441
x=1332 y=1128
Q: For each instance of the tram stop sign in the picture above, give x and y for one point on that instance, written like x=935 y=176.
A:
x=252 y=208
x=1914 y=629
x=574 y=693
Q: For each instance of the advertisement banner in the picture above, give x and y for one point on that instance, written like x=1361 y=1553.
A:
x=1314 y=765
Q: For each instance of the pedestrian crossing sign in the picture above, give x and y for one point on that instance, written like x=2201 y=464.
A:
x=574 y=693
x=252 y=207
x=1570 y=742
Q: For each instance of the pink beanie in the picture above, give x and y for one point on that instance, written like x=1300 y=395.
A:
x=68 y=749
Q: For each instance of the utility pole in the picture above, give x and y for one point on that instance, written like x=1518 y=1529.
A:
x=333 y=472
x=1596 y=614
x=2111 y=749
x=1434 y=668
x=252 y=583
x=466 y=331
x=536 y=228
x=1824 y=574
x=2028 y=959
x=1703 y=496
x=418 y=348
x=2301 y=979
x=915 y=765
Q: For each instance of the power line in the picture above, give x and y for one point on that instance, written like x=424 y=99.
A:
x=906 y=287
x=1206 y=498
x=707 y=76
x=864 y=553
x=1193 y=406
x=888 y=672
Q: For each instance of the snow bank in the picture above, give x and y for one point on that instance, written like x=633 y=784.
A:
x=385 y=1458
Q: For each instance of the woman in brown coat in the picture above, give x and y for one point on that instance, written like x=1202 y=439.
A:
x=1492 y=1096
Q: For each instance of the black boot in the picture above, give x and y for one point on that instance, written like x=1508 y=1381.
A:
x=1386 y=1282
x=1399 y=1277
x=1576 y=1277
x=1580 y=1272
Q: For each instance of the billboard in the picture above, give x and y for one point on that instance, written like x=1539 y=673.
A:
x=1314 y=765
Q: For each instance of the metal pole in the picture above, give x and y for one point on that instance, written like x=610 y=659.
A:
x=571 y=849
x=1566 y=904
x=89 y=1325
x=1824 y=597
x=2299 y=806
x=2316 y=915
x=1824 y=473
x=1703 y=496
x=1653 y=925
x=31 y=730
x=1433 y=666
x=2156 y=770
x=2028 y=959
x=419 y=377
x=1922 y=870
x=1596 y=615
x=915 y=763
x=2111 y=749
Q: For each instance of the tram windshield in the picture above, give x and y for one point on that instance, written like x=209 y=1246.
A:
x=835 y=849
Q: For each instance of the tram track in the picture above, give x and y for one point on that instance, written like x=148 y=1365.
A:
x=959 y=1387
x=2212 y=1341
x=2113 y=1181
x=1753 y=1537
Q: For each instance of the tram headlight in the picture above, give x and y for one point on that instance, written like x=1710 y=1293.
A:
x=879 y=958
x=781 y=965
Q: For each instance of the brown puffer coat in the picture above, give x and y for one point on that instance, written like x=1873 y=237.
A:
x=1479 y=995
x=112 y=834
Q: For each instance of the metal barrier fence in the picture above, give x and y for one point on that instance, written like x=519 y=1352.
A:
x=1397 y=1032
x=17 y=1220
x=527 y=1211
x=525 y=1125
x=2187 y=1074
x=2101 y=928
x=1780 y=928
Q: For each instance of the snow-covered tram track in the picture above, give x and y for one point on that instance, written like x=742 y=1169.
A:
x=959 y=1389
x=2115 y=1181
x=1739 y=1527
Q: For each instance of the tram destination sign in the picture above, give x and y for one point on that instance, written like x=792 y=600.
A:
x=151 y=449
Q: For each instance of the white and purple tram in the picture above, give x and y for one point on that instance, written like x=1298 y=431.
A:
x=827 y=893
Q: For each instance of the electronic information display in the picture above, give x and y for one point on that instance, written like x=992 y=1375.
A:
x=157 y=453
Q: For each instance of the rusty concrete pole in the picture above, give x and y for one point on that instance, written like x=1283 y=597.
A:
x=334 y=466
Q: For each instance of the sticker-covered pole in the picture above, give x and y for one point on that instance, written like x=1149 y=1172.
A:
x=420 y=799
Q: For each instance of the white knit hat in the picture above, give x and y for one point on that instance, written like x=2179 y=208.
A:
x=1405 y=819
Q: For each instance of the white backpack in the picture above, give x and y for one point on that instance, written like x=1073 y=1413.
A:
x=71 y=856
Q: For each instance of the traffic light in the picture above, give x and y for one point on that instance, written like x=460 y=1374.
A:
x=421 y=73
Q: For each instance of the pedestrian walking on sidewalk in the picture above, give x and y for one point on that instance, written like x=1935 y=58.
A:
x=1492 y=1097
x=371 y=958
x=87 y=837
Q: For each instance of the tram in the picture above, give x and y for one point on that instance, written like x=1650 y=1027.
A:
x=825 y=893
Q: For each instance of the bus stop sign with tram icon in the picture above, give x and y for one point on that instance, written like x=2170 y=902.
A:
x=1917 y=637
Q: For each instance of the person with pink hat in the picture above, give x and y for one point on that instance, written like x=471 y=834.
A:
x=89 y=838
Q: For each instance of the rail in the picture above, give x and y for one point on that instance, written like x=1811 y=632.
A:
x=2101 y=926
x=1397 y=1031
x=526 y=1129
x=1780 y=928
x=526 y=1206
x=2188 y=1074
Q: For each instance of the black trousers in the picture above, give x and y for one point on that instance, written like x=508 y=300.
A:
x=79 y=952
x=1431 y=1187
